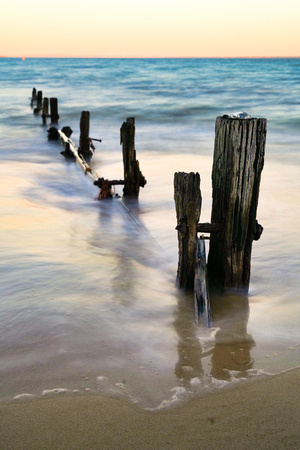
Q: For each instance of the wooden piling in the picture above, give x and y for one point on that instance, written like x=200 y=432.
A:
x=187 y=196
x=53 y=134
x=33 y=96
x=46 y=106
x=84 y=140
x=39 y=103
x=45 y=113
x=67 y=131
x=238 y=162
x=54 y=110
x=133 y=177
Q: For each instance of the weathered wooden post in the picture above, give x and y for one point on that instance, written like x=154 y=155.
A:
x=46 y=106
x=238 y=162
x=187 y=196
x=133 y=177
x=45 y=113
x=33 y=96
x=53 y=134
x=84 y=140
x=39 y=100
x=54 y=110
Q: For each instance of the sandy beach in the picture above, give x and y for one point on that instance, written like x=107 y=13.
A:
x=261 y=414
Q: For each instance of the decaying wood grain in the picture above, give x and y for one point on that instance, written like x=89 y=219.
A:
x=238 y=162
x=187 y=197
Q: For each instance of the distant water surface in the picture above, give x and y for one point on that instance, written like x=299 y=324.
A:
x=88 y=297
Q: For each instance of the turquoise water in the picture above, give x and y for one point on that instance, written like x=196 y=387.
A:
x=88 y=296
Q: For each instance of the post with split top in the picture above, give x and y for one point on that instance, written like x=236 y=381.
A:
x=238 y=162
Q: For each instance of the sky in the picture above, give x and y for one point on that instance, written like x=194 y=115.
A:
x=143 y=28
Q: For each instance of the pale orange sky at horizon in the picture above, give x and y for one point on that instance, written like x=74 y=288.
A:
x=157 y=28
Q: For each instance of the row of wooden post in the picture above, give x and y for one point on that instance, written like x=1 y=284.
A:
x=43 y=104
x=133 y=177
x=238 y=162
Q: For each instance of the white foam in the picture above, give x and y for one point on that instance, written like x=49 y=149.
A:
x=180 y=393
x=219 y=383
x=23 y=396
x=55 y=391
x=100 y=379
x=195 y=382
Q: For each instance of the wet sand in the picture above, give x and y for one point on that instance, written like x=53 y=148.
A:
x=261 y=414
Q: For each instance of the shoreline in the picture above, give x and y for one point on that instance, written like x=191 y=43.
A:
x=260 y=414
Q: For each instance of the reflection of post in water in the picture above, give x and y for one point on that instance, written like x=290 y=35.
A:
x=232 y=349
x=133 y=247
x=189 y=349
x=117 y=235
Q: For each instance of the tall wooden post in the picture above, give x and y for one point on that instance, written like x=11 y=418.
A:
x=39 y=100
x=33 y=96
x=238 y=162
x=133 y=177
x=54 y=110
x=187 y=196
x=45 y=109
x=46 y=106
x=84 y=140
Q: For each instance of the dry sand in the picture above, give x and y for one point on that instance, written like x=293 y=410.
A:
x=261 y=414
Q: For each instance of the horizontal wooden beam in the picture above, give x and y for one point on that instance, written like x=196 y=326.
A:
x=100 y=182
x=210 y=227
x=201 y=227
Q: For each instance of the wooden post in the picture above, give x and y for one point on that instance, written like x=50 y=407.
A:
x=45 y=109
x=39 y=100
x=187 y=197
x=54 y=110
x=53 y=134
x=238 y=162
x=46 y=106
x=33 y=96
x=133 y=177
x=67 y=131
x=84 y=140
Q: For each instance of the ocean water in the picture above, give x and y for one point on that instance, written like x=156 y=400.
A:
x=88 y=296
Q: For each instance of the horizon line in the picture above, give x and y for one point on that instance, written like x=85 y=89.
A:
x=151 y=57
